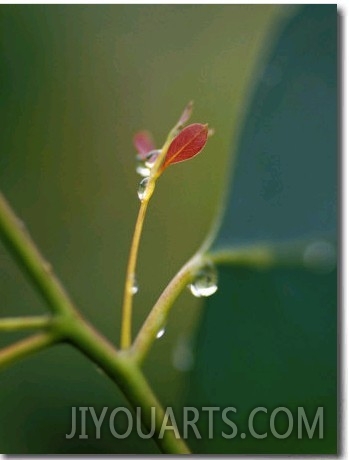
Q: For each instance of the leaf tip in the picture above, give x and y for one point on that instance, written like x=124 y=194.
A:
x=186 y=114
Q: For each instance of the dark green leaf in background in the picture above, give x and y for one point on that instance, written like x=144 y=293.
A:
x=268 y=337
x=285 y=180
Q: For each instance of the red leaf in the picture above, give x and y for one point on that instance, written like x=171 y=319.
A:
x=144 y=143
x=189 y=142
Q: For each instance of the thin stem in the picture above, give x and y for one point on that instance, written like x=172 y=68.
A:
x=68 y=325
x=126 y=324
x=159 y=313
x=26 y=347
x=256 y=256
x=31 y=261
x=123 y=370
x=30 y=322
x=264 y=255
x=261 y=256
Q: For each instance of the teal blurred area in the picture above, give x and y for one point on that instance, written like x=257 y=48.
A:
x=268 y=338
x=284 y=183
x=77 y=82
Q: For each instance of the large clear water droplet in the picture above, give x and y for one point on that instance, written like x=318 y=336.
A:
x=205 y=282
x=160 y=333
x=142 y=188
x=134 y=287
x=151 y=158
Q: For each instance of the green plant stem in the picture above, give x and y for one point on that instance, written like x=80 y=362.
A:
x=158 y=316
x=68 y=325
x=261 y=256
x=123 y=370
x=31 y=261
x=126 y=322
x=264 y=255
x=26 y=347
x=30 y=322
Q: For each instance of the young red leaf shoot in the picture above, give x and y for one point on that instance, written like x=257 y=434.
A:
x=188 y=143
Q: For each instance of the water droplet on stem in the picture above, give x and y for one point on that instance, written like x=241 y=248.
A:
x=134 y=287
x=160 y=333
x=151 y=158
x=205 y=281
x=142 y=169
x=142 y=188
x=144 y=166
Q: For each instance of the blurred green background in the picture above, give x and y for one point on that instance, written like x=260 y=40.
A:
x=77 y=82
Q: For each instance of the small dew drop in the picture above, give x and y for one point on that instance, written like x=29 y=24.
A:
x=205 y=282
x=142 y=188
x=160 y=333
x=151 y=158
x=134 y=287
x=142 y=169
